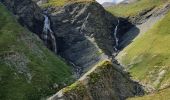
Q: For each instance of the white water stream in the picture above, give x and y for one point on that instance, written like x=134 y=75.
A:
x=47 y=31
x=115 y=36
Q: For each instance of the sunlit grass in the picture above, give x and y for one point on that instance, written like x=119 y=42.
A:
x=62 y=2
x=161 y=95
x=149 y=55
x=134 y=8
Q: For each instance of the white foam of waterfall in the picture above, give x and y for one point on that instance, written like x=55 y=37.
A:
x=115 y=35
x=47 y=30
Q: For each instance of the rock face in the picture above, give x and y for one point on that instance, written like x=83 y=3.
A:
x=32 y=17
x=104 y=82
x=85 y=33
x=27 y=13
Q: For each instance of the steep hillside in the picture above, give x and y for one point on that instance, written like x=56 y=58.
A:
x=147 y=57
x=95 y=42
x=105 y=81
x=28 y=71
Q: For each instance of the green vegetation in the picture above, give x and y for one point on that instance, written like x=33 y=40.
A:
x=62 y=2
x=28 y=70
x=102 y=69
x=161 y=95
x=105 y=65
x=135 y=8
x=77 y=88
x=148 y=57
x=94 y=77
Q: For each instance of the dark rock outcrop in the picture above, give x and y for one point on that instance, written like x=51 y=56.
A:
x=124 y=26
x=103 y=82
x=85 y=36
x=85 y=32
x=30 y=16
x=27 y=13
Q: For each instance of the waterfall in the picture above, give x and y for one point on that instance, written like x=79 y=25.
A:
x=47 y=31
x=115 y=36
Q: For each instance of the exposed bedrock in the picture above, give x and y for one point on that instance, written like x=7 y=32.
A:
x=85 y=33
x=30 y=16
x=27 y=13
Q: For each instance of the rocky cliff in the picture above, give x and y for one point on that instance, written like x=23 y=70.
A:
x=27 y=13
x=83 y=30
x=104 y=82
x=32 y=17
x=85 y=33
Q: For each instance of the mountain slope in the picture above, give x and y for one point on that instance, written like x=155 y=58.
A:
x=59 y=3
x=105 y=81
x=28 y=71
x=147 y=57
x=85 y=35
x=135 y=8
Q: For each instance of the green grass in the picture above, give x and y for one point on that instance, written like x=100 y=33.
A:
x=134 y=9
x=19 y=47
x=161 y=95
x=60 y=3
x=149 y=55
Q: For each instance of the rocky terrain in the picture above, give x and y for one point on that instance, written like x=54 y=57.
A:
x=104 y=77
x=99 y=51
x=85 y=33
x=82 y=38
x=28 y=70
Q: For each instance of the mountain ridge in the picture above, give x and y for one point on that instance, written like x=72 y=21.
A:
x=88 y=38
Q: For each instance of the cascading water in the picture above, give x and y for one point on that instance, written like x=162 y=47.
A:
x=47 y=31
x=115 y=36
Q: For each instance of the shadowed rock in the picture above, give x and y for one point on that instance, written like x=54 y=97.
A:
x=85 y=33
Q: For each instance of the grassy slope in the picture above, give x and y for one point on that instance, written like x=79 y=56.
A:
x=134 y=8
x=161 y=95
x=22 y=54
x=61 y=2
x=148 y=57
